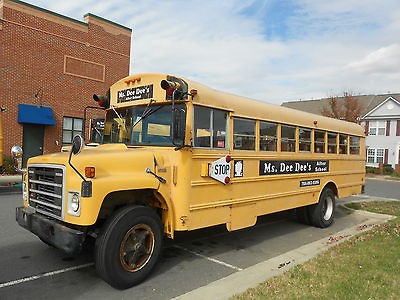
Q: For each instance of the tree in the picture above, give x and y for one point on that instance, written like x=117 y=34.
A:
x=344 y=108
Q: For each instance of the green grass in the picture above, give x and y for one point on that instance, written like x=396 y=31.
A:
x=365 y=267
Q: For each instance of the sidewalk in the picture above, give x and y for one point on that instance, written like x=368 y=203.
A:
x=239 y=282
x=381 y=177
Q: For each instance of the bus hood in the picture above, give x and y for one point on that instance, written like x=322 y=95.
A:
x=110 y=161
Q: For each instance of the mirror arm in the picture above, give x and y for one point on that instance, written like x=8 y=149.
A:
x=77 y=144
x=77 y=172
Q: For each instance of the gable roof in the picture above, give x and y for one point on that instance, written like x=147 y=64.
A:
x=366 y=102
x=390 y=98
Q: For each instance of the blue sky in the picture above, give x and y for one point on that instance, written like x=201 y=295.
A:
x=270 y=50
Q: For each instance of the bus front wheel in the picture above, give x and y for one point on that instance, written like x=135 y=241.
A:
x=129 y=246
x=322 y=213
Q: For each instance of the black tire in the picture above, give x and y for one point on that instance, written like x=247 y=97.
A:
x=322 y=214
x=129 y=246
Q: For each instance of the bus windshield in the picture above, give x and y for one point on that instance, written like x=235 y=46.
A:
x=140 y=125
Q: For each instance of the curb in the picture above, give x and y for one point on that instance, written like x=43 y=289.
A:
x=239 y=282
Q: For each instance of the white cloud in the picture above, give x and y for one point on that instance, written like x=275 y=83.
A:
x=384 y=60
x=324 y=47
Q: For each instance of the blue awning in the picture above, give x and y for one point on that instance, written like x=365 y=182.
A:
x=35 y=114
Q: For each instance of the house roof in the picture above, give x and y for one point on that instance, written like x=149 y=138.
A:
x=366 y=102
x=379 y=105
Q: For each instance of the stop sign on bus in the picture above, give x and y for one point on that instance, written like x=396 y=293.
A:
x=220 y=169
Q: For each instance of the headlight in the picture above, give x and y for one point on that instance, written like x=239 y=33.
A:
x=74 y=203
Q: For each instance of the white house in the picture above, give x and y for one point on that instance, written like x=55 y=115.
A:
x=382 y=129
x=380 y=117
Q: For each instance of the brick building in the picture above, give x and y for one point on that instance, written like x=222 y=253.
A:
x=50 y=67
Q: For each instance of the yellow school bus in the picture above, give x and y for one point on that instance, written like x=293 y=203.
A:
x=175 y=155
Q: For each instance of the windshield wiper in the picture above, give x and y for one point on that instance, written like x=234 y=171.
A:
x=119 y=117
x=147 y=112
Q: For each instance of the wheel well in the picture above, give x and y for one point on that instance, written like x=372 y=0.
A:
x=115 y=200
x=332 y=187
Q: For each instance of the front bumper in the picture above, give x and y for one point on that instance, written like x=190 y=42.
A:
x=62 y=237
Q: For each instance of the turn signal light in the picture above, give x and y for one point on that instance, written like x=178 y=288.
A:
x=90 y=172
x=170 y=86
x=102 y=101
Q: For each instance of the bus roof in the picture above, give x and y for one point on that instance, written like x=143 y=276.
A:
x=250 y=108
x=255 y=109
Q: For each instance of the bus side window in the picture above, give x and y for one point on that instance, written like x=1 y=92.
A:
x=202 y=130
x=354 y=145
x=219 y=128
x=268 y=136
x=332 y=142
x=244 y=134
x=288 y=138
x=210 y=128
x=343 y=144
x=319 y=141
x=304 y=140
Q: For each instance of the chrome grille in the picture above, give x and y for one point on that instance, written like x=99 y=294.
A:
x=46 y=189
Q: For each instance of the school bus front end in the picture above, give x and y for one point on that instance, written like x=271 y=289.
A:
x=118 y=193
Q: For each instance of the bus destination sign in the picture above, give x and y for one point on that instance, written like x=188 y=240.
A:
x=136 y=93
x=278 y=167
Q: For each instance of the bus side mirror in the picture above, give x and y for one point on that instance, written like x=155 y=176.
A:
x=179 y=124
x=16 y=153
x=77 y=144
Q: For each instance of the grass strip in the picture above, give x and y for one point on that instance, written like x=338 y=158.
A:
x=365 y=267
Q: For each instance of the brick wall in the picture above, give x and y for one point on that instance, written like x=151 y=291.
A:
x=52 y=60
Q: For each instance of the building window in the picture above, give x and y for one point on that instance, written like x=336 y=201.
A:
x=268 y=136
x=210 y=128
x=71 y=127
x=288 y=138
x=304 y=140
x=244 y=134
x=377 y=128
x=375 y=155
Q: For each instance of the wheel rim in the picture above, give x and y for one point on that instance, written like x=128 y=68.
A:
x=137 y=247
x=328 y=208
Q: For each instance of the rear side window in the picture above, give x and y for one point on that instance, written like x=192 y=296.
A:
x=354 y=145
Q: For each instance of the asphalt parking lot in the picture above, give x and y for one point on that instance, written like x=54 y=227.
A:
x=190 y=264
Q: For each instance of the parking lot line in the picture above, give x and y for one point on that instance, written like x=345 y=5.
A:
x=47 y=274
x=209 y=258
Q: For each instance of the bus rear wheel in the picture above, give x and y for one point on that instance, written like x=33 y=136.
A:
x=129 y=246
x=322 y=213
